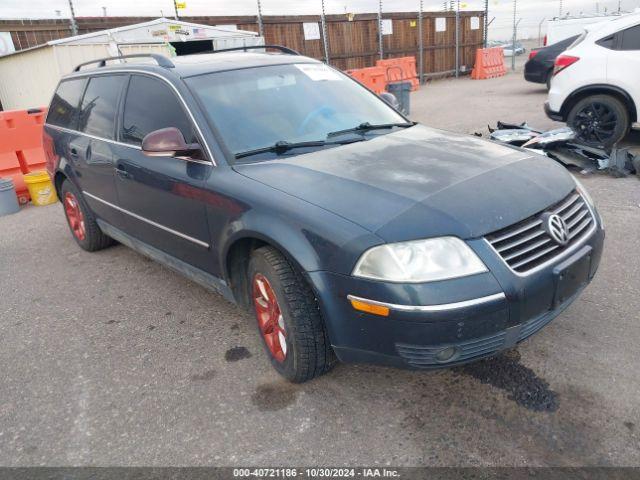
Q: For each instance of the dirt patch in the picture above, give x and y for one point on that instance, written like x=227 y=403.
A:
x=236 y=353
x=271 y=397
x=522 y=384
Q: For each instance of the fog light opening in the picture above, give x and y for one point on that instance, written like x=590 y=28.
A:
x=447 y=354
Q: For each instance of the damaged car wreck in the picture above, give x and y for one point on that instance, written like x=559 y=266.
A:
x=561 y=144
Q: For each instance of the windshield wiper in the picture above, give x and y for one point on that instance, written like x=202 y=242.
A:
x=283 y=146
x=366 y=127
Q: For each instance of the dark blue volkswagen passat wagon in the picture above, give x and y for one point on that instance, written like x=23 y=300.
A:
x=349 y=231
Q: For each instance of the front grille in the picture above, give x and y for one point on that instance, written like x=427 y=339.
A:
x=526 y=245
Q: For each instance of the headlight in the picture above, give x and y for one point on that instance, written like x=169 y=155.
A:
x=419 y=261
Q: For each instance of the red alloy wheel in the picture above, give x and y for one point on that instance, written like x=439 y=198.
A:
x=74 y=215
x=269 y=317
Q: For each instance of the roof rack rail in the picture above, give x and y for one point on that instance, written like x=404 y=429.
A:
x=287 y=50
x=162 y=61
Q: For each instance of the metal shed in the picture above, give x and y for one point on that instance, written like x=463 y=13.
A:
x=28 y=77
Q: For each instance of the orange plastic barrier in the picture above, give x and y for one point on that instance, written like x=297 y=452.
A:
x=373 y=78
x=402 y=69
x=489 y=63
x=21 y=149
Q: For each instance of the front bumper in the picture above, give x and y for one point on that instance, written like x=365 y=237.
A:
x=478 y=316
x=553 y=115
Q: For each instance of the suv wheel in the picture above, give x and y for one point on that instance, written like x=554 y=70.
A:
x=81 y=220
x=599 y=120
x=288 y=317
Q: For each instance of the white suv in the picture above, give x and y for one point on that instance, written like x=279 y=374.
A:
x=596 y=82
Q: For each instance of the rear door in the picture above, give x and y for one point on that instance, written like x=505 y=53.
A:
x=91 y=148
x=161 y=196
x=623 y=66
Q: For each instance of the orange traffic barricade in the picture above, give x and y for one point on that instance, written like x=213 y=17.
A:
x=374 y=78
x=401 y=69
x=489 y=63
x=21 y=149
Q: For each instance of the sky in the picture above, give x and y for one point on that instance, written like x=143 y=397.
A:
x=530 y=11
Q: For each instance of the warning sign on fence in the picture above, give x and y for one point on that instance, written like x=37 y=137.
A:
x=6 y=44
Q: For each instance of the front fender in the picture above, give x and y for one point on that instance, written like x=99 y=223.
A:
x=327 y=244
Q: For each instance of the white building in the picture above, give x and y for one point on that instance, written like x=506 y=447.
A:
x=29 y=77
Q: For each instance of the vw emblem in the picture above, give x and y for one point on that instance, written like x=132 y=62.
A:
x=557 y=229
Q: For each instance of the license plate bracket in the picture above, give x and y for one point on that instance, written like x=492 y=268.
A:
x=571 y=275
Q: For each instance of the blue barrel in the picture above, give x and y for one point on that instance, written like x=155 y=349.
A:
x=401 y=90
x=8 y=198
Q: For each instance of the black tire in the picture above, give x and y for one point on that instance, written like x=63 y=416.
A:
x=93 y=238
x=599 y=120
x=308 y=350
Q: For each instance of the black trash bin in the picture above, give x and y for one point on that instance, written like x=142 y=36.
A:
x=402 y=91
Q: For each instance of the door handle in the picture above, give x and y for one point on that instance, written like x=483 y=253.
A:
x=122 y=173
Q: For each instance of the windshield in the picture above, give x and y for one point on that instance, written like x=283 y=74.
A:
x=256 y=108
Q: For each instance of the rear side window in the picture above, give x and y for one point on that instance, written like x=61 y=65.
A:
x=151 y=105
x=630 y=38
x=99 y=106
x=63 y=111
x=607 y=42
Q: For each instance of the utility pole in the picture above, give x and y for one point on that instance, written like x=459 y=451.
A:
x=513 y=42
x=104 y=11
x=260 y=25
x=457 y=38
x=513 y=54
x=324 y=35
x=420 y=45
x=560 y=14
x=175 y=9
x=486 y=23
x=380 y=29
x=74 y=25
x=540 y=30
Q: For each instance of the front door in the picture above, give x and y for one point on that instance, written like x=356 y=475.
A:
x=161 y=196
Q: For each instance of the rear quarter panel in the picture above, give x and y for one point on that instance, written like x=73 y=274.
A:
x=589 y=70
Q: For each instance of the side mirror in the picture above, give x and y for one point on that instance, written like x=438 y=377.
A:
x=168 y=142
x=391 y=99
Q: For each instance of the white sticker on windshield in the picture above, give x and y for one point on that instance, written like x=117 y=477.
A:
x=318 y=72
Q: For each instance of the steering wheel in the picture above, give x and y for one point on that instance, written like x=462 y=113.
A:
x=325 y=111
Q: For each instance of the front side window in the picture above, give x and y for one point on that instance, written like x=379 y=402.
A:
x=630 y=38
x=150 y=105
x=99 y=105
x=63 y=111
x=254 y=108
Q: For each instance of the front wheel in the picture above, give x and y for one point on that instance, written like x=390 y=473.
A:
x=288 y=317
x=599 y=120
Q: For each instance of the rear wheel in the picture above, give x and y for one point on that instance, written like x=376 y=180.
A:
x=81 y=220
x=288 y=317
x=599 y=120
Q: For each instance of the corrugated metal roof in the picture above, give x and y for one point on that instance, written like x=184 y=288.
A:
x=144 y=35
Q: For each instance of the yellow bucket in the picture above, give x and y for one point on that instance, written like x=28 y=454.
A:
x=40 y=188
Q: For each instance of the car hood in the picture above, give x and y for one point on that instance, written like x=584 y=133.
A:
x=420 y=182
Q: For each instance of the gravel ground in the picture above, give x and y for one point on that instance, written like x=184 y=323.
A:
x=111 y=359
